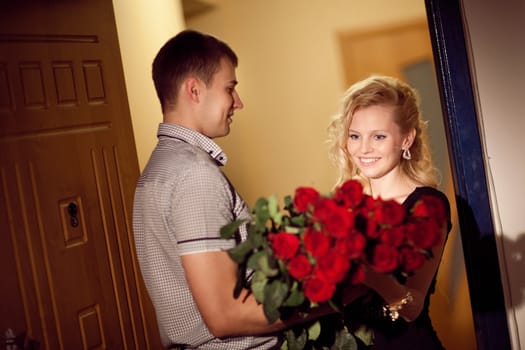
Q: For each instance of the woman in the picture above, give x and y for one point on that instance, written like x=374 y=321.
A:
x=380 y=139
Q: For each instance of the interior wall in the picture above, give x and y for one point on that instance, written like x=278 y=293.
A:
x=142 y=30
x=498 y=70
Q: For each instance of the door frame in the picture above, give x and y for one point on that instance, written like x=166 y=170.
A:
x=469 y=174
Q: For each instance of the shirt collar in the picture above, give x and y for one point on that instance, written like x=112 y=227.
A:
x=193 y=138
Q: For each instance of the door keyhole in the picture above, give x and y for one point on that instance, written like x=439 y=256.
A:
x=72 y=209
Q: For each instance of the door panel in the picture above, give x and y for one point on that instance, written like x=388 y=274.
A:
x=68 y=168
x=384 y=50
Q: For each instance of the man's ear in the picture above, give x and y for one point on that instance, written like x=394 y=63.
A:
x=191 y=88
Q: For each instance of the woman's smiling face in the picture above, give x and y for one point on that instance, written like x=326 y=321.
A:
x=375 y=141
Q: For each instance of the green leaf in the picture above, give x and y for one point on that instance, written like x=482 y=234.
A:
x=274 y=294
x=365 y=334
x=258 y=283
x=299 y=220
x=314 y=330
x=261 y=202
x=259 y=261
x=229 y=230
x=274 y=212
x=284 y=270
x=273 y=206
x=292 y=229
x=239 y=252
x=256 y=240
x=261 y=214
x=295 y=298
x=272 y=314
x=288 y=201
x=294 y=342
x=278 y=219
x=344 y=341
x=317 y=226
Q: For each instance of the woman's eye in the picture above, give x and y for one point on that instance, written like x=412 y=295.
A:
x=353 y=136
x=379 y=137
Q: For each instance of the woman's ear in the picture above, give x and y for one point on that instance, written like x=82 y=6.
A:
x=409 y=138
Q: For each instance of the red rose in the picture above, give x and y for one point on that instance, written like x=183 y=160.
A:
x=370 y=204
x=357 y=274
x=424 y=234
x=394 y=236
x=336 y=220
x=411 y=260
x=389 y=213
x=369 y=222
x=332 y=267
x=384 y=258
x=431 y=206
x=349 y=194
x=304 y=198
x=315 y=242
x=284 y=244
x=351 y=246
x=372 y=229
x=299 y=267
x=318 y=290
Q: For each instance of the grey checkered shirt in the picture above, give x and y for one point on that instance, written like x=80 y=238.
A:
x=181 y=201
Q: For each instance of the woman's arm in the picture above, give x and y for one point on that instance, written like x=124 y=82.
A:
x=417 y=285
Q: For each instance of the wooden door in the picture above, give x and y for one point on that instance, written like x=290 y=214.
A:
x=68 y=168
x=385 y=50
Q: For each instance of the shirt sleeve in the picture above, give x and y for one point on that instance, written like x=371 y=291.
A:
x=201 y=205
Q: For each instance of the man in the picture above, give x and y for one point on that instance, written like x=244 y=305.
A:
x=182 y=200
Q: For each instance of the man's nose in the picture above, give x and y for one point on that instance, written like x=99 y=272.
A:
x=237 y=103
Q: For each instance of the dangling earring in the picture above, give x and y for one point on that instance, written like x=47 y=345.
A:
x=406 y=154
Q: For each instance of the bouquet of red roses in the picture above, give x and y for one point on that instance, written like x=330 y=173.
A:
x=299 y=259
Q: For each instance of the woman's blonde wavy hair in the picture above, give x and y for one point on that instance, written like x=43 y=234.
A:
x=386 y=91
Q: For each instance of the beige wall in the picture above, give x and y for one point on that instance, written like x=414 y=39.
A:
x=290 y=79
x=498 y=62
x=142 y=30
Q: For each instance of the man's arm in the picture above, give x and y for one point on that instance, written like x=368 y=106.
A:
x=212 y=277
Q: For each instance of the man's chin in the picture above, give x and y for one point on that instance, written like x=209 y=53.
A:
x=222 y=134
